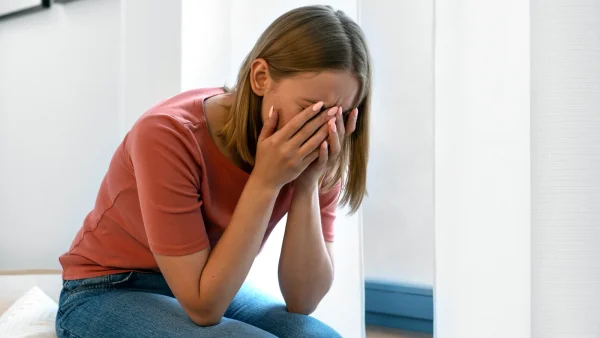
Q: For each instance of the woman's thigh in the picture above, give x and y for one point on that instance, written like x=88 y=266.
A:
x=101 y=312
x=257 y=309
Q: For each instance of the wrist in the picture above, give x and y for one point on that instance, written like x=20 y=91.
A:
x=306 y=187
x=255 y=182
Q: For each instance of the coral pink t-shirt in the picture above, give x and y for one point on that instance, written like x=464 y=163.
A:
x=168 y=190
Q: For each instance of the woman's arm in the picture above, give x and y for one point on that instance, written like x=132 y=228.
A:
x=306 y=263
x=206 y=284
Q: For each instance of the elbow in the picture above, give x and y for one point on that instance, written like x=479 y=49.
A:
x=206 y=319
x=303 y=302
x=301 y=311
x=302 y=308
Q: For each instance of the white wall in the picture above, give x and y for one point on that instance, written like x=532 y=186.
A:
x=398 y=214
x=482 y=169
x=10 y=6
x=565 y=163
x=150 y=54
x=205 y=43
x=59 y=108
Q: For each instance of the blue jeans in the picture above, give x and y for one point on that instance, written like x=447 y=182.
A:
x=142 y=305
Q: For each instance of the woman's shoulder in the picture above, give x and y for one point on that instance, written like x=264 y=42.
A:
x=176 y=122
x=187 y=106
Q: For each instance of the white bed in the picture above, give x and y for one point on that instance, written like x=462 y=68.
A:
x=14 y=284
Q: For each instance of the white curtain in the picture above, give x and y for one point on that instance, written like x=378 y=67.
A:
x=565 y=117
x=517 y=168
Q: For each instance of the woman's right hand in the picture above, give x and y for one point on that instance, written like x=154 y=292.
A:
x=281 y=156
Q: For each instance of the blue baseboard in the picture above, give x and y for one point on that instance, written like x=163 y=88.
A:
x=401 y=306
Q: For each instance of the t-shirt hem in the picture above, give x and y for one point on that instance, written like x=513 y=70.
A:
x=103 y=272
x=179 y=250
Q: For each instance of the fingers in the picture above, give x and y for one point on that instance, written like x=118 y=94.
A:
x=270 y=125
x=312 y=126
x=299 y=121
x=311 y=157
x=339 y=121
x=335 y=137
x=351 y=122
x=314 y=142
x=323 y=155
x=320 y=153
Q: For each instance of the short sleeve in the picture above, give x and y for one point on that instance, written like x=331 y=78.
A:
x=328 y=201
x=164 y=157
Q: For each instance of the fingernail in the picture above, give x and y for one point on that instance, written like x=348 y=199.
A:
x=324 y=145
x=332 y=126
x=355 y=112
x=340 y=111
x=318 y=106
x=271 y=111
x=332 y=111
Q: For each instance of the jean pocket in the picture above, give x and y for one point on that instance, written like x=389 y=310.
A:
x=119 y=278
x=97 y=283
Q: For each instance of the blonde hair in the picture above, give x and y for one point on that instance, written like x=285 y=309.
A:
x=308 y=39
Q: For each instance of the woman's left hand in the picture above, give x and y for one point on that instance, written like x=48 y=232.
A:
x=330 y=149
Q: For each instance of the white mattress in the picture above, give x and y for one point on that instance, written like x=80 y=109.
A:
x=12 y=287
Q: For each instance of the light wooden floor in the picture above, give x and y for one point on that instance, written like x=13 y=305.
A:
x=379 y=332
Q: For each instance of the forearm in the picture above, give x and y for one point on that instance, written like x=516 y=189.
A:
x=305 y=267
x=231 y=259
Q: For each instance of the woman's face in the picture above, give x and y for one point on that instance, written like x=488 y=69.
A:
x=290 y=96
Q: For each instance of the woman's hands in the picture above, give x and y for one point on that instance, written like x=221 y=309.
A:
x=337 y=132
x=281 y=156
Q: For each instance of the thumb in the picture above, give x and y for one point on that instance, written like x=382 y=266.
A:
x=269 y=127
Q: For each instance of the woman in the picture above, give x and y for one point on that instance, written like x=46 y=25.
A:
x=199 y=182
